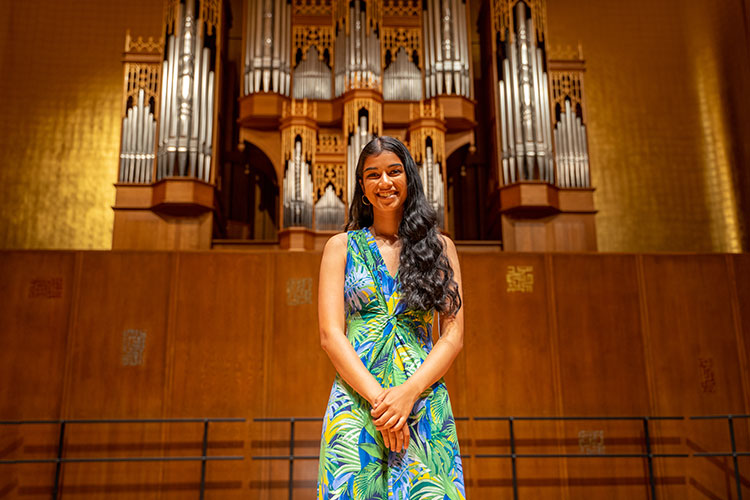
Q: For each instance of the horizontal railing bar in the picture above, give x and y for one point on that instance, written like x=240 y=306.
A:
x=288 y=419
x=723 y=454
x=301 y=457
x=121 y=421
x=310 y=419
x=577 y=418
x=726 y=417
x=574 y=455
x=124 y=459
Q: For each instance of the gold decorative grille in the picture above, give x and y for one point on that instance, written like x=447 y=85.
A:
x=567 y=85
x=502 y=20
x=312 y=7
x=374 y=110
x=402 y=8
x=329 y=173
x=395 y=38
x=321 y=37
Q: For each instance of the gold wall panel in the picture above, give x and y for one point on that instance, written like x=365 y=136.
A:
x=665 y=83
x=59 y=135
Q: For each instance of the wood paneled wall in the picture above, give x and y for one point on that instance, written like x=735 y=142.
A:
x=235 y=334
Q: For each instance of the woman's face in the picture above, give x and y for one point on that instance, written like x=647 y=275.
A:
x=384 y=181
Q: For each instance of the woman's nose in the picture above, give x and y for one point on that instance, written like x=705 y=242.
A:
x=384 y=179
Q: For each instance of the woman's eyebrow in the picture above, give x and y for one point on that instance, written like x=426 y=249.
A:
x=389 y=166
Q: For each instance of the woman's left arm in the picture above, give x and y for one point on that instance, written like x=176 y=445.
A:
x=393 y=406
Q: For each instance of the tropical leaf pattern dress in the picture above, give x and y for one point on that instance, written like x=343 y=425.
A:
x=392 y=342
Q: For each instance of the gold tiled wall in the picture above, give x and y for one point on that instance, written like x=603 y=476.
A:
x=665 y=85
x=60 y=90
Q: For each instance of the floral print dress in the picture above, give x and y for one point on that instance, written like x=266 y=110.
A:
x=392 y=342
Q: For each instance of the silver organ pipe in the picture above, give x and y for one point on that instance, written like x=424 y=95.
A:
x=432 y=181
x=312 y=78
x=187 y=100
x=446 y=48
x=330 y=211
x=137 y=143
x=357 y=52
x=571 y=152
x=267 y=47
x=298 y=190
x=523 y=98
x=402 y=80
x=357 y=141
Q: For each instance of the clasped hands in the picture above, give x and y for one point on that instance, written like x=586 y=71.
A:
x=390 y=412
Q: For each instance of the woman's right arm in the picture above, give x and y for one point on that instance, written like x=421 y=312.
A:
x=331 y=321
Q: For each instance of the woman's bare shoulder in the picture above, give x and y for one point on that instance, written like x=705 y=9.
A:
x=336 y=245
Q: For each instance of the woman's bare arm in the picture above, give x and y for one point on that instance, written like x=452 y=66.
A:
x=331 y=317
x=392 y=408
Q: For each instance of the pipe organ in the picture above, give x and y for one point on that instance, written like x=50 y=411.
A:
x=188 y=99
x=267 y=46
x=447 y=69
x=321 y=78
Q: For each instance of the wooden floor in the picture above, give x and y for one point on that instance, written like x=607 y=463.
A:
x=234 y=334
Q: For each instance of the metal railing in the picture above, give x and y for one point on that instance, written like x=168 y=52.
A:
x=61 y=459
x=645 y=421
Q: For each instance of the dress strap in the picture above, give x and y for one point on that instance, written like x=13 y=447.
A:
x=366 y=252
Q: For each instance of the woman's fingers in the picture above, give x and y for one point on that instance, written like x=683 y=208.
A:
x=399 y=425
x=406 y=437
x=383 y=423
x=386 y=439
x=399 y=441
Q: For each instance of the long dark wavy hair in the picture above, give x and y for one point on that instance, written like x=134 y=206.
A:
x=425 y=272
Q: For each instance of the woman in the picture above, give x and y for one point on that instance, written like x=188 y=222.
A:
x=389 y=431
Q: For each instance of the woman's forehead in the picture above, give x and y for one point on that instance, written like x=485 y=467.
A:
x=386 y=159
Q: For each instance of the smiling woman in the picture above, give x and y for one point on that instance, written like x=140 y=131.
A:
x=389 y=430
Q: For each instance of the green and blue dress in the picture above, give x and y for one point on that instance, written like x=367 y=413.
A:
x=392 y=342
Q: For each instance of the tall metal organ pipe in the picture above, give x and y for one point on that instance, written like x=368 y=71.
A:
x=137 y=146
x=187 y=99
x=357 y=53
x=447 y=68
x=267 y=47
x=298 y=190
x=572 y=152
x=357 y=141
x=523 y=98
x=432 y=181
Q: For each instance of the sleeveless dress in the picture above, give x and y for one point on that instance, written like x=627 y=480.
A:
x=392 y=342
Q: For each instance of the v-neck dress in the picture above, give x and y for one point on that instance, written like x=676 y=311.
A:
x=392 y=342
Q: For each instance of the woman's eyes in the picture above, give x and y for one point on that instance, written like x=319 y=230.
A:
x=373 y=175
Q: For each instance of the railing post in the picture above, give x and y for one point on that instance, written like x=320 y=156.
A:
x=649 y=458
x=734 y=457
x=513 y=458
x=203 y=457
x=58 y=465
x=291 y=458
